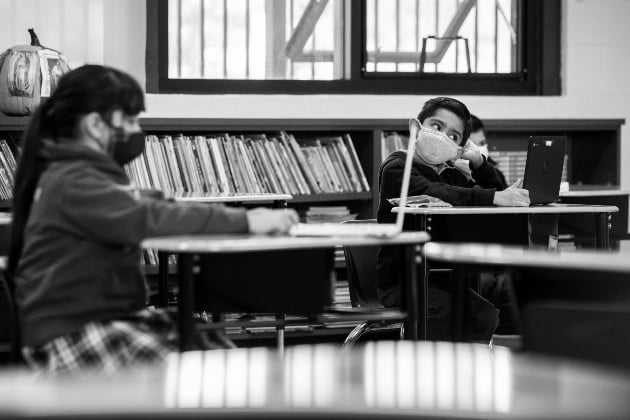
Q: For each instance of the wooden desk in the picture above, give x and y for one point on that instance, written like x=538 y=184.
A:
x=577 y=225
x=601 y=215
x=384 y=379
x=423 y=217
x=186 y=247
x=566 y=278
x=278 y=200
x=511 y=256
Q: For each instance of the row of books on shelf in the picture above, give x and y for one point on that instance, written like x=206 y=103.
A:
x=7 y=171
x=392 y=141
x=328 y=214
x=512 y=164
x=257 y=164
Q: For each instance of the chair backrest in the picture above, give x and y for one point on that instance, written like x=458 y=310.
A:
x=9 y=333
x=361 y=268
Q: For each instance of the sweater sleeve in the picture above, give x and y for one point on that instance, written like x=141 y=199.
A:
x=456 y=189
x=487 y=176
x=105 y=211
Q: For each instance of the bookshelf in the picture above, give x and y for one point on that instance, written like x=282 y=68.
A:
x=593 y=153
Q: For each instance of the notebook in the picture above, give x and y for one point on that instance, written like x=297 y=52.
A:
x=365 y=229
x=543 y=169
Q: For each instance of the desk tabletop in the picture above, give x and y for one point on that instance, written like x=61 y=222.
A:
x=593 y=193
x=232 y=198
x=384 y=379
x=555 y=208
x=506 y=255
x=247 y=242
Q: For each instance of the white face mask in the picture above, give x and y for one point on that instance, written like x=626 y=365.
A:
x=435 y=147
x=483 y=150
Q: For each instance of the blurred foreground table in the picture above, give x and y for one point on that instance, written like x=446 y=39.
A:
x=377 y=380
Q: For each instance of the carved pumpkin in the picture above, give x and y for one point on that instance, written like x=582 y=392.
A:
x=28 y=73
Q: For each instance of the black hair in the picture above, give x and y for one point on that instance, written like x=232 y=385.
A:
x=477 y=124
x=456 y=107
x=87 y=89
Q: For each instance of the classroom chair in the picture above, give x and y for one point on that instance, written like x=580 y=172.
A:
x=9 y=329
x=361 y=268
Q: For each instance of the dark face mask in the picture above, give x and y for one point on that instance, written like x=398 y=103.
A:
x=127 y=146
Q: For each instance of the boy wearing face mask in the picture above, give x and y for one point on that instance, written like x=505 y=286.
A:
x=443 y=126
x=478 y=137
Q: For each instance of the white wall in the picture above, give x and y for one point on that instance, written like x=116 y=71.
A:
x=595 y=63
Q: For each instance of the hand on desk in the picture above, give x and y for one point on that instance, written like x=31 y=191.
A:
x=513 y=195
x=264 y=221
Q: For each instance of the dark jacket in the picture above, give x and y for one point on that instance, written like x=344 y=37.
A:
x=80 y=260
x=451 y=185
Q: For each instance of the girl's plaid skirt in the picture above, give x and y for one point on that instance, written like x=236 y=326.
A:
x=144 y=337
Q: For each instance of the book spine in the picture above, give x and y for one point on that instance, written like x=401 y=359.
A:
x=348 y=165
x=341 y=173
x=269 y=172
x=257 y=163
x=190 y=165
x=217 y=158
x=302 y=183
x=166 y=168
x=174 y=164
x=152 y=164
x=317 y=169
x=202 y=164
x=330 y=169
x=241 y=166
x=178 y=142
x=9 y=155
x=304 y=165
x=323 y=168
x=234 y=165
x=201 y=181
x=249 y=167
x=356 y=162
x=284 y=187
x=208 y=166
x=7 y=168
x=282 y=165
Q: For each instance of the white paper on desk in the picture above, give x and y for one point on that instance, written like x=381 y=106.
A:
x=423 y=200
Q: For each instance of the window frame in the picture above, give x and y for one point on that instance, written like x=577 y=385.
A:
x=541 y=19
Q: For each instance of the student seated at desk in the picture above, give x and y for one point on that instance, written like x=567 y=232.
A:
x=78 y=222
x=478 y=137
x=444 y=126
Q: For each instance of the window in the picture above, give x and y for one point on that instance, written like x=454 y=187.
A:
x=354 y=46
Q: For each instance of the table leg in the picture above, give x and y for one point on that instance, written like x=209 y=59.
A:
x=411 y=293
x=423 y=224
x=602 y=230
x=162 y=279
x=280 y=332
x=186 y=294
x=460 y=309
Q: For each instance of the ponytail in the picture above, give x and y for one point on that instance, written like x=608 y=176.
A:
x=30 y=167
